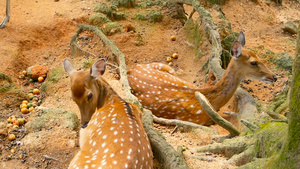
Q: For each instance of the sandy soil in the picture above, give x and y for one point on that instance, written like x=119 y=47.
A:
x=39 y=32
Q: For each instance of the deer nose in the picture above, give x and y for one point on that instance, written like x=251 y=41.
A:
x=274 y=78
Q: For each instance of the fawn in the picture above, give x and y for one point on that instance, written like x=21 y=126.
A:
x=114 y=136
x=169 y=97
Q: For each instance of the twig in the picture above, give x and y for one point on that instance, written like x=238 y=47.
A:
x=51 y=158
x=230 y=113
x=215 y=116
x=192 y=13
x=175 y=128
x=249 y=125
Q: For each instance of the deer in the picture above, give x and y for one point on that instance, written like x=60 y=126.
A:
x=158 y=89
x=113 y=135
x=7 y=15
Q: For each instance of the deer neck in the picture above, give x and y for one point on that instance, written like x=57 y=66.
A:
x=223 y=90
x=107 y=95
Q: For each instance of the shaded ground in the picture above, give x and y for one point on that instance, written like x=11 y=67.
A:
x=39 y=32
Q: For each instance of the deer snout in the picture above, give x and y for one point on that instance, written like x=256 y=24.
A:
x=274 y=78
x=84 y=125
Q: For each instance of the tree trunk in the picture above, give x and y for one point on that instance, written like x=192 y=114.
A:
x=289 y=156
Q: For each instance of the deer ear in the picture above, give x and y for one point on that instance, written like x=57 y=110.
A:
x=69 y=68
x=236 y=49
x=98 y=68
x=242 y=39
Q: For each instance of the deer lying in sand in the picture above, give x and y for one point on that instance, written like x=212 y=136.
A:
x=114 y=136
x=169 y=97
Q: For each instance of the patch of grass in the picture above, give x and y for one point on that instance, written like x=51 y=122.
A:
x=55 y=74
x=53 y=77
x=193 y=33
x=87 y=63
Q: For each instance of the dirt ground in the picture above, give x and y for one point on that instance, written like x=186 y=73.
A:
x=39 y=32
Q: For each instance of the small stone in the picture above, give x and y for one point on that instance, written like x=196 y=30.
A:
x=37 y=71
x=290 y=27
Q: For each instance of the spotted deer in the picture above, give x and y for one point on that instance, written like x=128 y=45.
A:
x=169 y=97
x=114 y=136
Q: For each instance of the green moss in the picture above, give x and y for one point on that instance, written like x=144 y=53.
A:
x=102 y=8
x=53 y=118
x=228 y=41
x=194 y=35
x=53 y=76
x=156 y=16
x=5 y=77
x=98 y=19
x=87 y=63
x=139 y=16
x=284 y=61
x=149 y=3
x=270 y=139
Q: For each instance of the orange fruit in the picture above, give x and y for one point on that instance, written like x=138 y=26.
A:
x=175 y=55
x=24 y=72
x=35 y=91
x=24 y=110
x=173 y=38
x=40 y=79
x=23 y=106
x=169 y=59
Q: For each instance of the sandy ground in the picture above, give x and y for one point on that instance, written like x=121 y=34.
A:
x=39 y=32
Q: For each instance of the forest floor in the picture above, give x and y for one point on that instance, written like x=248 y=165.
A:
x=39 y=32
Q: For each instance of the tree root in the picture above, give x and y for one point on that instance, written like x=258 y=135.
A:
x=251 y=126
x=179 y=123
x=162 y=150
x=263 y=143
x=7 y=15
x=215 y=116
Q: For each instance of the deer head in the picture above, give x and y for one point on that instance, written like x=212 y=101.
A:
x=85 y=88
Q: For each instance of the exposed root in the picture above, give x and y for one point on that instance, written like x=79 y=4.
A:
x=243 y=149
x=162 y=150
x=7 y=15
x=215 y=116
x=251 y=126
x=179 y=123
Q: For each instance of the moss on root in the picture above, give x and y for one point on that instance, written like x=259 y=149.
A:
x=262 y=144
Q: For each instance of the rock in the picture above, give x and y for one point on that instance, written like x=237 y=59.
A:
x=3 y=130
x=140 y=17
x=53 y=118
x=102 y=8
x=118 y=16
x=37 y=71
x=98 y=19
x=156 y=16
x=284 y=61
x=290 y=27
x=124 y=3
x=128 y=27
x=111 y=28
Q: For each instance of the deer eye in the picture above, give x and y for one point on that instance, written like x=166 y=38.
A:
x=90 y=95
x=253 y=63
